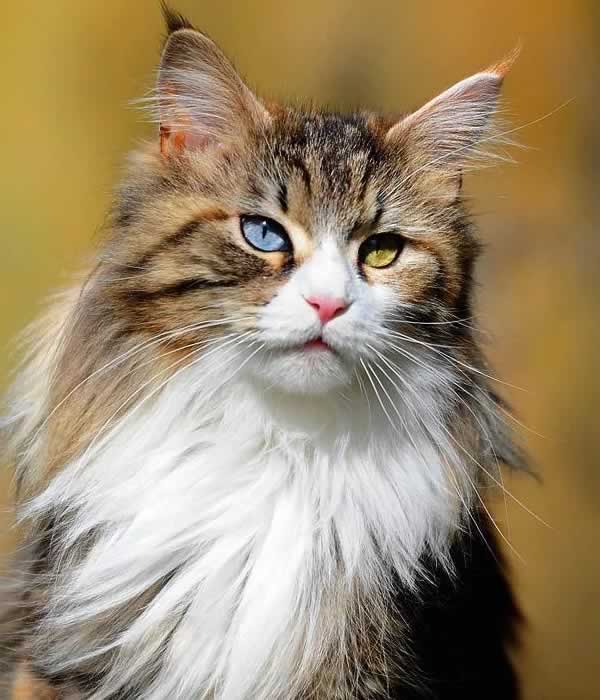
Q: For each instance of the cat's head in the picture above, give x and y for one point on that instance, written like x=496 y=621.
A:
x=304 y=238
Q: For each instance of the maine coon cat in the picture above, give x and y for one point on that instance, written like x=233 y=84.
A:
x=251 y=446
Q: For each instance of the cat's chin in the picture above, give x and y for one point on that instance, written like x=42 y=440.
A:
x=310 y=370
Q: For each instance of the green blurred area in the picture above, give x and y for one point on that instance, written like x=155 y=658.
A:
x=69 y=70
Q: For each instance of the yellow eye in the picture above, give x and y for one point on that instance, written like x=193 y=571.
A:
x=381 y=250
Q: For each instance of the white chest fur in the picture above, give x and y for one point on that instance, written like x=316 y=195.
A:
x=244 y=517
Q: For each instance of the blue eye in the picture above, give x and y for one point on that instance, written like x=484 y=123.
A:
x=265 y=234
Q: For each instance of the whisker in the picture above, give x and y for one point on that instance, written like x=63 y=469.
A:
x=155 y=340
x=364 y=393
x=475 y=489
x=411 y=308
x=409 y=355
x=435 y=349
x=403 y=422
x=409 y=386
x=220 y=346
x=383 y=408
x=236 y=341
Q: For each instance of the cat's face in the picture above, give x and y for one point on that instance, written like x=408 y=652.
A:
x=303 y=239
x=351 y=256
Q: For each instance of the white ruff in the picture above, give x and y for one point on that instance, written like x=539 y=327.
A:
x=241 y=514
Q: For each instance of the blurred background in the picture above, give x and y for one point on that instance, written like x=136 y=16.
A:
x=70 y=69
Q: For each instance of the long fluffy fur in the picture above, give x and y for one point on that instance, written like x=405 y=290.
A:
x=193 y=533
x=210 y=514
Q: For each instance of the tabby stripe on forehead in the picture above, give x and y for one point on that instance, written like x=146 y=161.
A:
x=174 y=239
x=379 y=211
x=366 y=178
x=282 y=197
x=299 y=165
x=372 y=223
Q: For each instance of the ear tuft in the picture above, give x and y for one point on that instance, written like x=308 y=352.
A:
x=502 y=67
x=174 y=20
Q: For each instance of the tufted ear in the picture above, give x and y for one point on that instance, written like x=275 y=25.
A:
x=440 y=138
x=200 y=99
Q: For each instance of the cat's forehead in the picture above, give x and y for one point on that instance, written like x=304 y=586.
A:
x=312 y=132
x=325 y=164
x=338 y=151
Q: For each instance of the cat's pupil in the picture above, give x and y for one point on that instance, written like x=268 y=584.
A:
x=266 y=235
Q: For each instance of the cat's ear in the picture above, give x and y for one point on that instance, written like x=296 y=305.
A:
x=441 y=138
x=200 y=99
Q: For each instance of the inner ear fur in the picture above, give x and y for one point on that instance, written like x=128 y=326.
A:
x=200 y=97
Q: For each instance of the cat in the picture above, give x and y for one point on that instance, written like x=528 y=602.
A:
x=252 y=443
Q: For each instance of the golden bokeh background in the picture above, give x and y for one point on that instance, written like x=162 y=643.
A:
x=69 y=70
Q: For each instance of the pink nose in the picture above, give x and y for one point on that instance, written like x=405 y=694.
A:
x=327 y=307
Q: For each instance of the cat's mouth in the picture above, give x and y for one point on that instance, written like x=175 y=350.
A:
x=311 y=345
x=317 y=344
